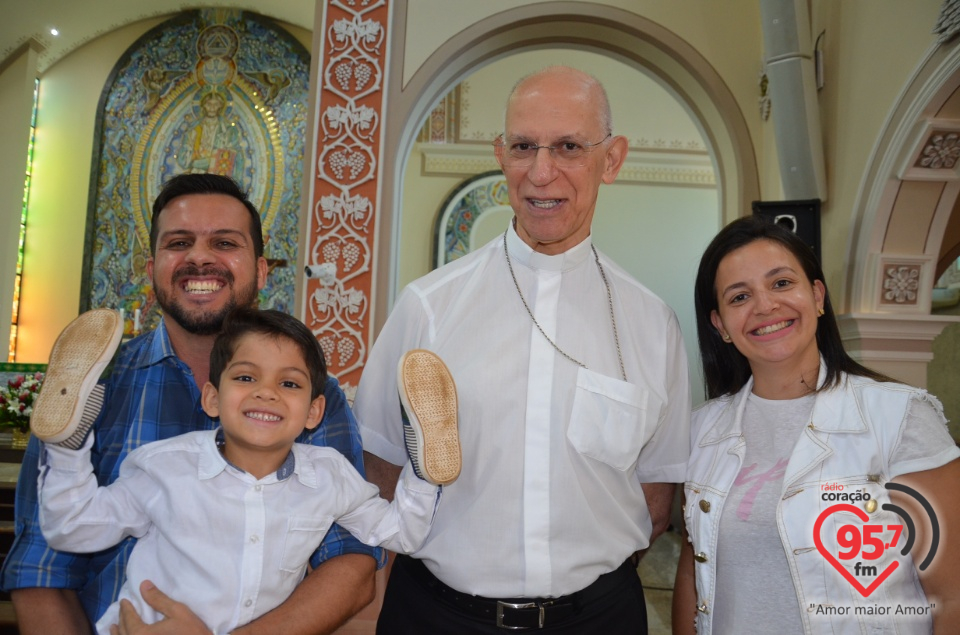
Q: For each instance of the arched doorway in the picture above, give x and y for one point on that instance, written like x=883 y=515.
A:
x=907 y=232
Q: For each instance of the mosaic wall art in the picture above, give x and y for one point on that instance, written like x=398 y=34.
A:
x=213 y=90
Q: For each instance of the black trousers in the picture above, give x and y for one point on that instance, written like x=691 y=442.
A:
x=409 y=608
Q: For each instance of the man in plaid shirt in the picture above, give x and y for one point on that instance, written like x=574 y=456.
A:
x=206 y=258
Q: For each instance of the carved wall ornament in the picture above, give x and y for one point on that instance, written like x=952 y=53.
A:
x=900 y=283
x=941 y=151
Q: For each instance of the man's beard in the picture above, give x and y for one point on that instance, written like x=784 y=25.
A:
x=199 y=321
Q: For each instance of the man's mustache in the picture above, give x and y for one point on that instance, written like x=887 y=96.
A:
x=192 y=271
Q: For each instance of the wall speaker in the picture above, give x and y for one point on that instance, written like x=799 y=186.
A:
x=800 y=217
x=792 y=88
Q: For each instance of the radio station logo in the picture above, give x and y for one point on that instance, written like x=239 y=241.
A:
x=863 y=545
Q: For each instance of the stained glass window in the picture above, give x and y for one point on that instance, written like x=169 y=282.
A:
x=15 y=315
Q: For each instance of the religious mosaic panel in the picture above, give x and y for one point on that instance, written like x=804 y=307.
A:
x=214 y=90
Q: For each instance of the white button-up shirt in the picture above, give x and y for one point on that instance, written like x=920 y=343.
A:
x=549 y=497
x=229 y=546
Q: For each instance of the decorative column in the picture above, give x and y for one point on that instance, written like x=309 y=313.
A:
x=337 y=241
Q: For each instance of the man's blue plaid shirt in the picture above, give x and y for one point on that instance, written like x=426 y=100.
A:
x=150 y=395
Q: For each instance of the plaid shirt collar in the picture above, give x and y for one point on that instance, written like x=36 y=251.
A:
x=158 y=349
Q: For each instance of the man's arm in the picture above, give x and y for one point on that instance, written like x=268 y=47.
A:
x=329 y=596
x=46 y=611
x=385 y=475
x=660 y=503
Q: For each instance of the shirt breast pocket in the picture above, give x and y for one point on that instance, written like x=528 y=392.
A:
x=610 y=419
x=304 y=535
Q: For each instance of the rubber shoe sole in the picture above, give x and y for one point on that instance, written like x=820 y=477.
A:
x=428 y=396
x=79 y=356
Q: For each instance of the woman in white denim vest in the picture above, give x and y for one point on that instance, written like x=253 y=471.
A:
x=791 y=525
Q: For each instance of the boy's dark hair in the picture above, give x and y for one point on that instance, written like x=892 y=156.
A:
x=184 y=184
x=725 y=369
x=245 y=320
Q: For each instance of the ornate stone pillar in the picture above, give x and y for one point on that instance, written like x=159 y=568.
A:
x=344 y=180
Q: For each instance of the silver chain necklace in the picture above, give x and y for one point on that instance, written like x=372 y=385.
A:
x=613 y=320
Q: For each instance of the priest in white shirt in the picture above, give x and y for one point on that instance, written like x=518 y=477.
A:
x=573 y=391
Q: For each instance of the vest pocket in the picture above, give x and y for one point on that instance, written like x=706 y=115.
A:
x=610 y=419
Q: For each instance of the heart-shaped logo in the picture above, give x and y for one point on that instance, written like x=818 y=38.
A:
x=862 y=515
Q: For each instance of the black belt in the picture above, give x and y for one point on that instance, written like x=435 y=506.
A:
x=516 y=613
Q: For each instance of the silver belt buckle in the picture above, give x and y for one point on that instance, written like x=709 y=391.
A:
x=525 y=605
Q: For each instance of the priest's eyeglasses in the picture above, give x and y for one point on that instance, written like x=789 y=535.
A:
x=566 y=154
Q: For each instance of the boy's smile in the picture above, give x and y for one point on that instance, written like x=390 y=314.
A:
x=263 y=402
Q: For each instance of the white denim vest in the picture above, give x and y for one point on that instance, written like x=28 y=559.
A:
x=854 y=427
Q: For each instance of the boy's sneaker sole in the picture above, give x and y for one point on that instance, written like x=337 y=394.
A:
x=80 y=354
x=428 y=395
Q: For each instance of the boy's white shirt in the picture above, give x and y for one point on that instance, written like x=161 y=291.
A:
x=229 y=546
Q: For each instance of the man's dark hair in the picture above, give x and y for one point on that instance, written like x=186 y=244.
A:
x=725 y=369
x=184 y=184
x=245 y=320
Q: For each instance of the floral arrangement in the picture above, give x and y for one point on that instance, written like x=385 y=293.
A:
x=16 y=401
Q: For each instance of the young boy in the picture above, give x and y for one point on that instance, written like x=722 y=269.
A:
x=226 y=520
